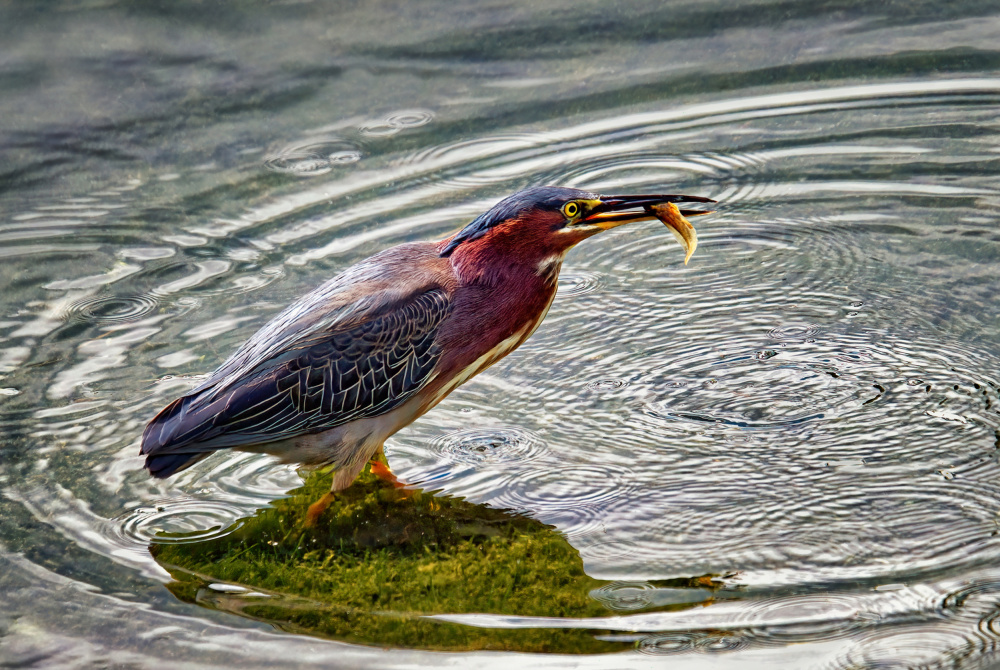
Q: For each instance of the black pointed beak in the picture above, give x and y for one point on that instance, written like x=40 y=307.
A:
x=615 y=209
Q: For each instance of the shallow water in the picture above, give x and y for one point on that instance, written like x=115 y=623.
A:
x=810 y=409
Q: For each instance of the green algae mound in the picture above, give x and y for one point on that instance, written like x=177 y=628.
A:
x=381 y=561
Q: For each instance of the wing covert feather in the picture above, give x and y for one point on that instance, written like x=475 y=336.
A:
x=375 y=357
x=352 y=368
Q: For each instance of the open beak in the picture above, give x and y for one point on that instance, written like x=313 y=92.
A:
x=616 y=210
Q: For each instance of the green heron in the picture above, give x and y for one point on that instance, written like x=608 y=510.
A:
x=332 y=376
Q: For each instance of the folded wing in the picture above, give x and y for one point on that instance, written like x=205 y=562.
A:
x=307 y=371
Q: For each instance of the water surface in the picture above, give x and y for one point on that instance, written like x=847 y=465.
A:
x=808 y=413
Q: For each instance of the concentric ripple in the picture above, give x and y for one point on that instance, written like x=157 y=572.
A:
x=576 y=498
x=818 y=616
x=796 y=333
x=624 y=596
x=491 y=445
x=313 y=158
x=247 y=480
x=180 y=521
x=604 y=385
x=114 y=309
x=786 y=395
x=908 y=648
x=397 y=121
x=669 y=644
x=567 y=486
x=578 y=282
x=679 y=643
x=811 y=405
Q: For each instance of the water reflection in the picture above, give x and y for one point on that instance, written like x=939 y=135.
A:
x=812 y=404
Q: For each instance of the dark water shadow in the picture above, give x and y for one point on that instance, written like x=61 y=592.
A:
x=381 y=561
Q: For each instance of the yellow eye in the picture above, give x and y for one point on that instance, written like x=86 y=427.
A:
x=571 y=209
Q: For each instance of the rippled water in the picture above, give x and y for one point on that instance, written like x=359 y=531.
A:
x=810 y=407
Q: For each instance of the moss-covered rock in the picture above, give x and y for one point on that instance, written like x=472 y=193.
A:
x=381 y=559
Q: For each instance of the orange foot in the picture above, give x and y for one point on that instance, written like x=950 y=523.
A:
x=382 y=471
x=316 y=510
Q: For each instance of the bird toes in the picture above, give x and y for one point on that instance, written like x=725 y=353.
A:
x=382 y=471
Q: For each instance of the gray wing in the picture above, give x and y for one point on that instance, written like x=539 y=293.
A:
x=330 y=307
x=365 y=360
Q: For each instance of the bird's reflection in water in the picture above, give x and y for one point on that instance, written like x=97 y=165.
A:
x=381 y=559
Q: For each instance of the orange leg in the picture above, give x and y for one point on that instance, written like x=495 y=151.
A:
x=316 y=510
x=379 y=468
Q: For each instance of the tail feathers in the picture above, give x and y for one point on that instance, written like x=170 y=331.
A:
x=174 y=439
x=155 y=437
x=166 y=465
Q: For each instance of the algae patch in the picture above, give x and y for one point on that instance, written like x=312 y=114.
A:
x=381 y=559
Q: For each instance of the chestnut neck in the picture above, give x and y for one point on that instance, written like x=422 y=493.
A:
x=514 y=250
